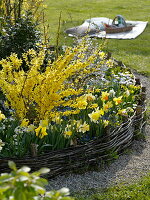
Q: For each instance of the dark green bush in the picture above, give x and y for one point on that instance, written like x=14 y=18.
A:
x=19 y=37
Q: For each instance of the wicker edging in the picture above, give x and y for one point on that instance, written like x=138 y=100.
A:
x=96 y=151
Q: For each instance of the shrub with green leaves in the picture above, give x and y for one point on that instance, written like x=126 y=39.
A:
x=19 y=37
x=22 y=185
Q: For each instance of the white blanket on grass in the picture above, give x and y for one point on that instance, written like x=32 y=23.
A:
x=136 y=30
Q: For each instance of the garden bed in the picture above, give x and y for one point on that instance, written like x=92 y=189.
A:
x=96 y=151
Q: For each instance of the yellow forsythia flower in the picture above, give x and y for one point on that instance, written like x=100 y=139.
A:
x=44 y=92
x=44 y=123
x=24 y=123
x=110 y=63
x=102 y=54
x=41 y=131
x=97 y=90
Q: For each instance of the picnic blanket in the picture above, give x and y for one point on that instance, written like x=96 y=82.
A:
x=91 y=26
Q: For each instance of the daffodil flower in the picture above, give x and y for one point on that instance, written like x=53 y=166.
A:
x=41 y=132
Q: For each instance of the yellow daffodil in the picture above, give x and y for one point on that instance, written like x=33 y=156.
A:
x=41 y=131
x=127 y=93
x=1 y=144
x=107 y=106
x=81 y=103
x=57 y=119
x=117 y=100
x=94 y=116
x=68 y=133
x=123 y=112
x=2 y=116
x=78 y=123
x=90 y=97
x=84 y=127
x=104 y=96
x=94 y=105
x=106 y=122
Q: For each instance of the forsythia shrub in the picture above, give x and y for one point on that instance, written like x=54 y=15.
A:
x=36 y=95
x=12 y=10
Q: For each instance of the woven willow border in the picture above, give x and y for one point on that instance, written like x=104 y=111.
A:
x=62 y=161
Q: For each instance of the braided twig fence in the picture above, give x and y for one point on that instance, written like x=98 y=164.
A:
x=75 y=157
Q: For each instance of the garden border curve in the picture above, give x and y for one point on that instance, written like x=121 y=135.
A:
x=91 y=153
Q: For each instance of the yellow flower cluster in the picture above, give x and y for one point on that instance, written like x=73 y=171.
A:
x=14 y=8
x=36 y=95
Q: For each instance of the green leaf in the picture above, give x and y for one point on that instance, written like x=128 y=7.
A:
x=20 y=195
x=38 y=189
x=4 y=179
x=3 y=189
x=25 y=169
x=12 y=165
x=41 y=182
x=23 y=178
x=64 y=190
x=44 y=170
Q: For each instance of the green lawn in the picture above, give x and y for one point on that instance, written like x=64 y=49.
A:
x=134 y=53
x=136 y=191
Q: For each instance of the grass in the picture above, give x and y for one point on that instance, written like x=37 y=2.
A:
x=134 y=53
x=136 y=191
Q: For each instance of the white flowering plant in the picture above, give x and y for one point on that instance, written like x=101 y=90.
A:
x=20 y=184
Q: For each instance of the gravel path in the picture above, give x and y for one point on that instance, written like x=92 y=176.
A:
x=126 y=168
